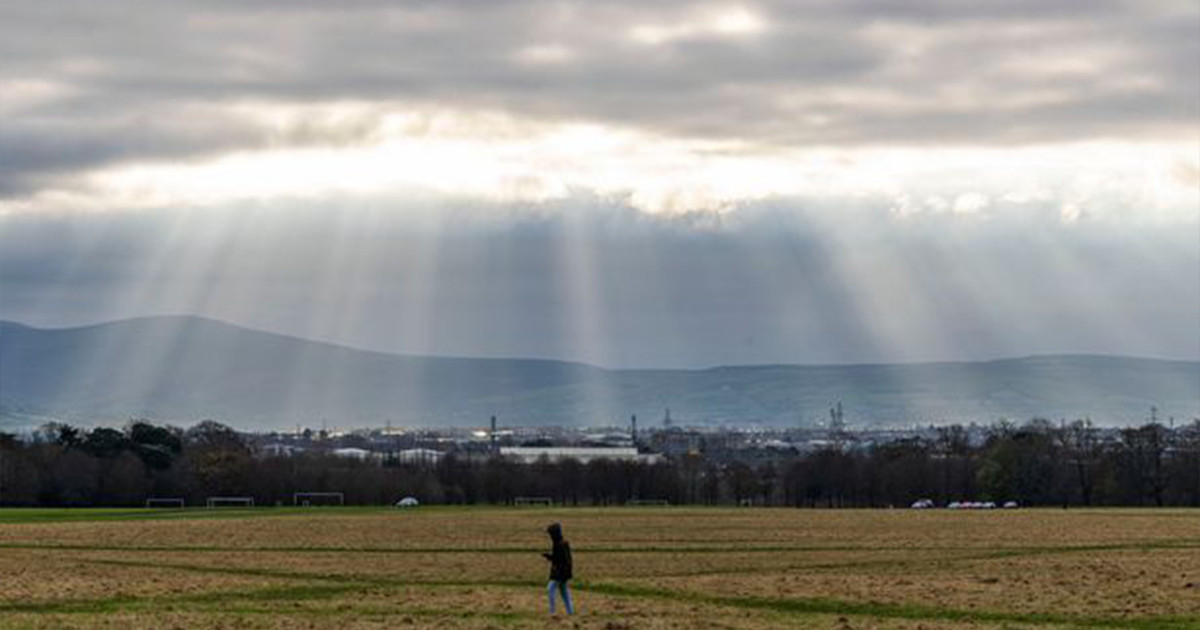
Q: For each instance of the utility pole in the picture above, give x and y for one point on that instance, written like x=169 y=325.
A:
x=837 y=418
x=837 y=425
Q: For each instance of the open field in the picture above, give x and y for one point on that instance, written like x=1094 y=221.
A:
x=636 y=568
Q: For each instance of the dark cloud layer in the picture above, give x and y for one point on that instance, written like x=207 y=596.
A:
x=781 y=281
x=142 y=80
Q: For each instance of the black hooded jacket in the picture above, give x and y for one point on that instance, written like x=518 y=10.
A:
x=559 y=556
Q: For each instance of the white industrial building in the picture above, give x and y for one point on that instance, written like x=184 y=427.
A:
x=419 y=456
x=354 y=453
x=583 y=454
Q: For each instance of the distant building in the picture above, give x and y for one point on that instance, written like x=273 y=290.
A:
x=278 y=449
x=353 y=453
x=583 y=454
x=419 y=456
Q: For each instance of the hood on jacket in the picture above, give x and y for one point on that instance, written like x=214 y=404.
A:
x=555 y=531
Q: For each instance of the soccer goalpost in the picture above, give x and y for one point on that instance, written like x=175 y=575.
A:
x=216 y=502
x=161 y=502
x=307 y=499
x=546 y=501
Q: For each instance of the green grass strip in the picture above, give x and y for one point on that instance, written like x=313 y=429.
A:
x=70 y=515
x=87 y=515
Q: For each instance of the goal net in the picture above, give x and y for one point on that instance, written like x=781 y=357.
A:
x=647 y=502
x=216 y=502
x=533 y=501
x=163 y=502
x=307 y=499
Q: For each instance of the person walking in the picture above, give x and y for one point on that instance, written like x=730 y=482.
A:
x=560 y=568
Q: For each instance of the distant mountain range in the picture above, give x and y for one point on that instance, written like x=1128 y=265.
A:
x=185 y=369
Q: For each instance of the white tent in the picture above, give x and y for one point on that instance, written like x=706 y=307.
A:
x=408 y=502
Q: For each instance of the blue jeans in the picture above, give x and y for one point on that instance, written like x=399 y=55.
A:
x=562 y=588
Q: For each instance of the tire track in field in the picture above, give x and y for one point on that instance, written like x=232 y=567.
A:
x=969 y=554
x=707 y=549
x=914 y=612
x=333 y=585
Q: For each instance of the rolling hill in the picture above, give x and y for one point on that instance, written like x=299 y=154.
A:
x=184 y=369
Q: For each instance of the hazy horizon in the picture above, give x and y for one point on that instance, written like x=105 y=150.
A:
x=187 y=368
x=96 y=324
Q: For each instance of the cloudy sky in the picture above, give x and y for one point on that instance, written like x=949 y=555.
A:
x=627 y=183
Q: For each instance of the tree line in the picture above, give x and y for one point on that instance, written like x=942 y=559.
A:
x=1035 y=464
